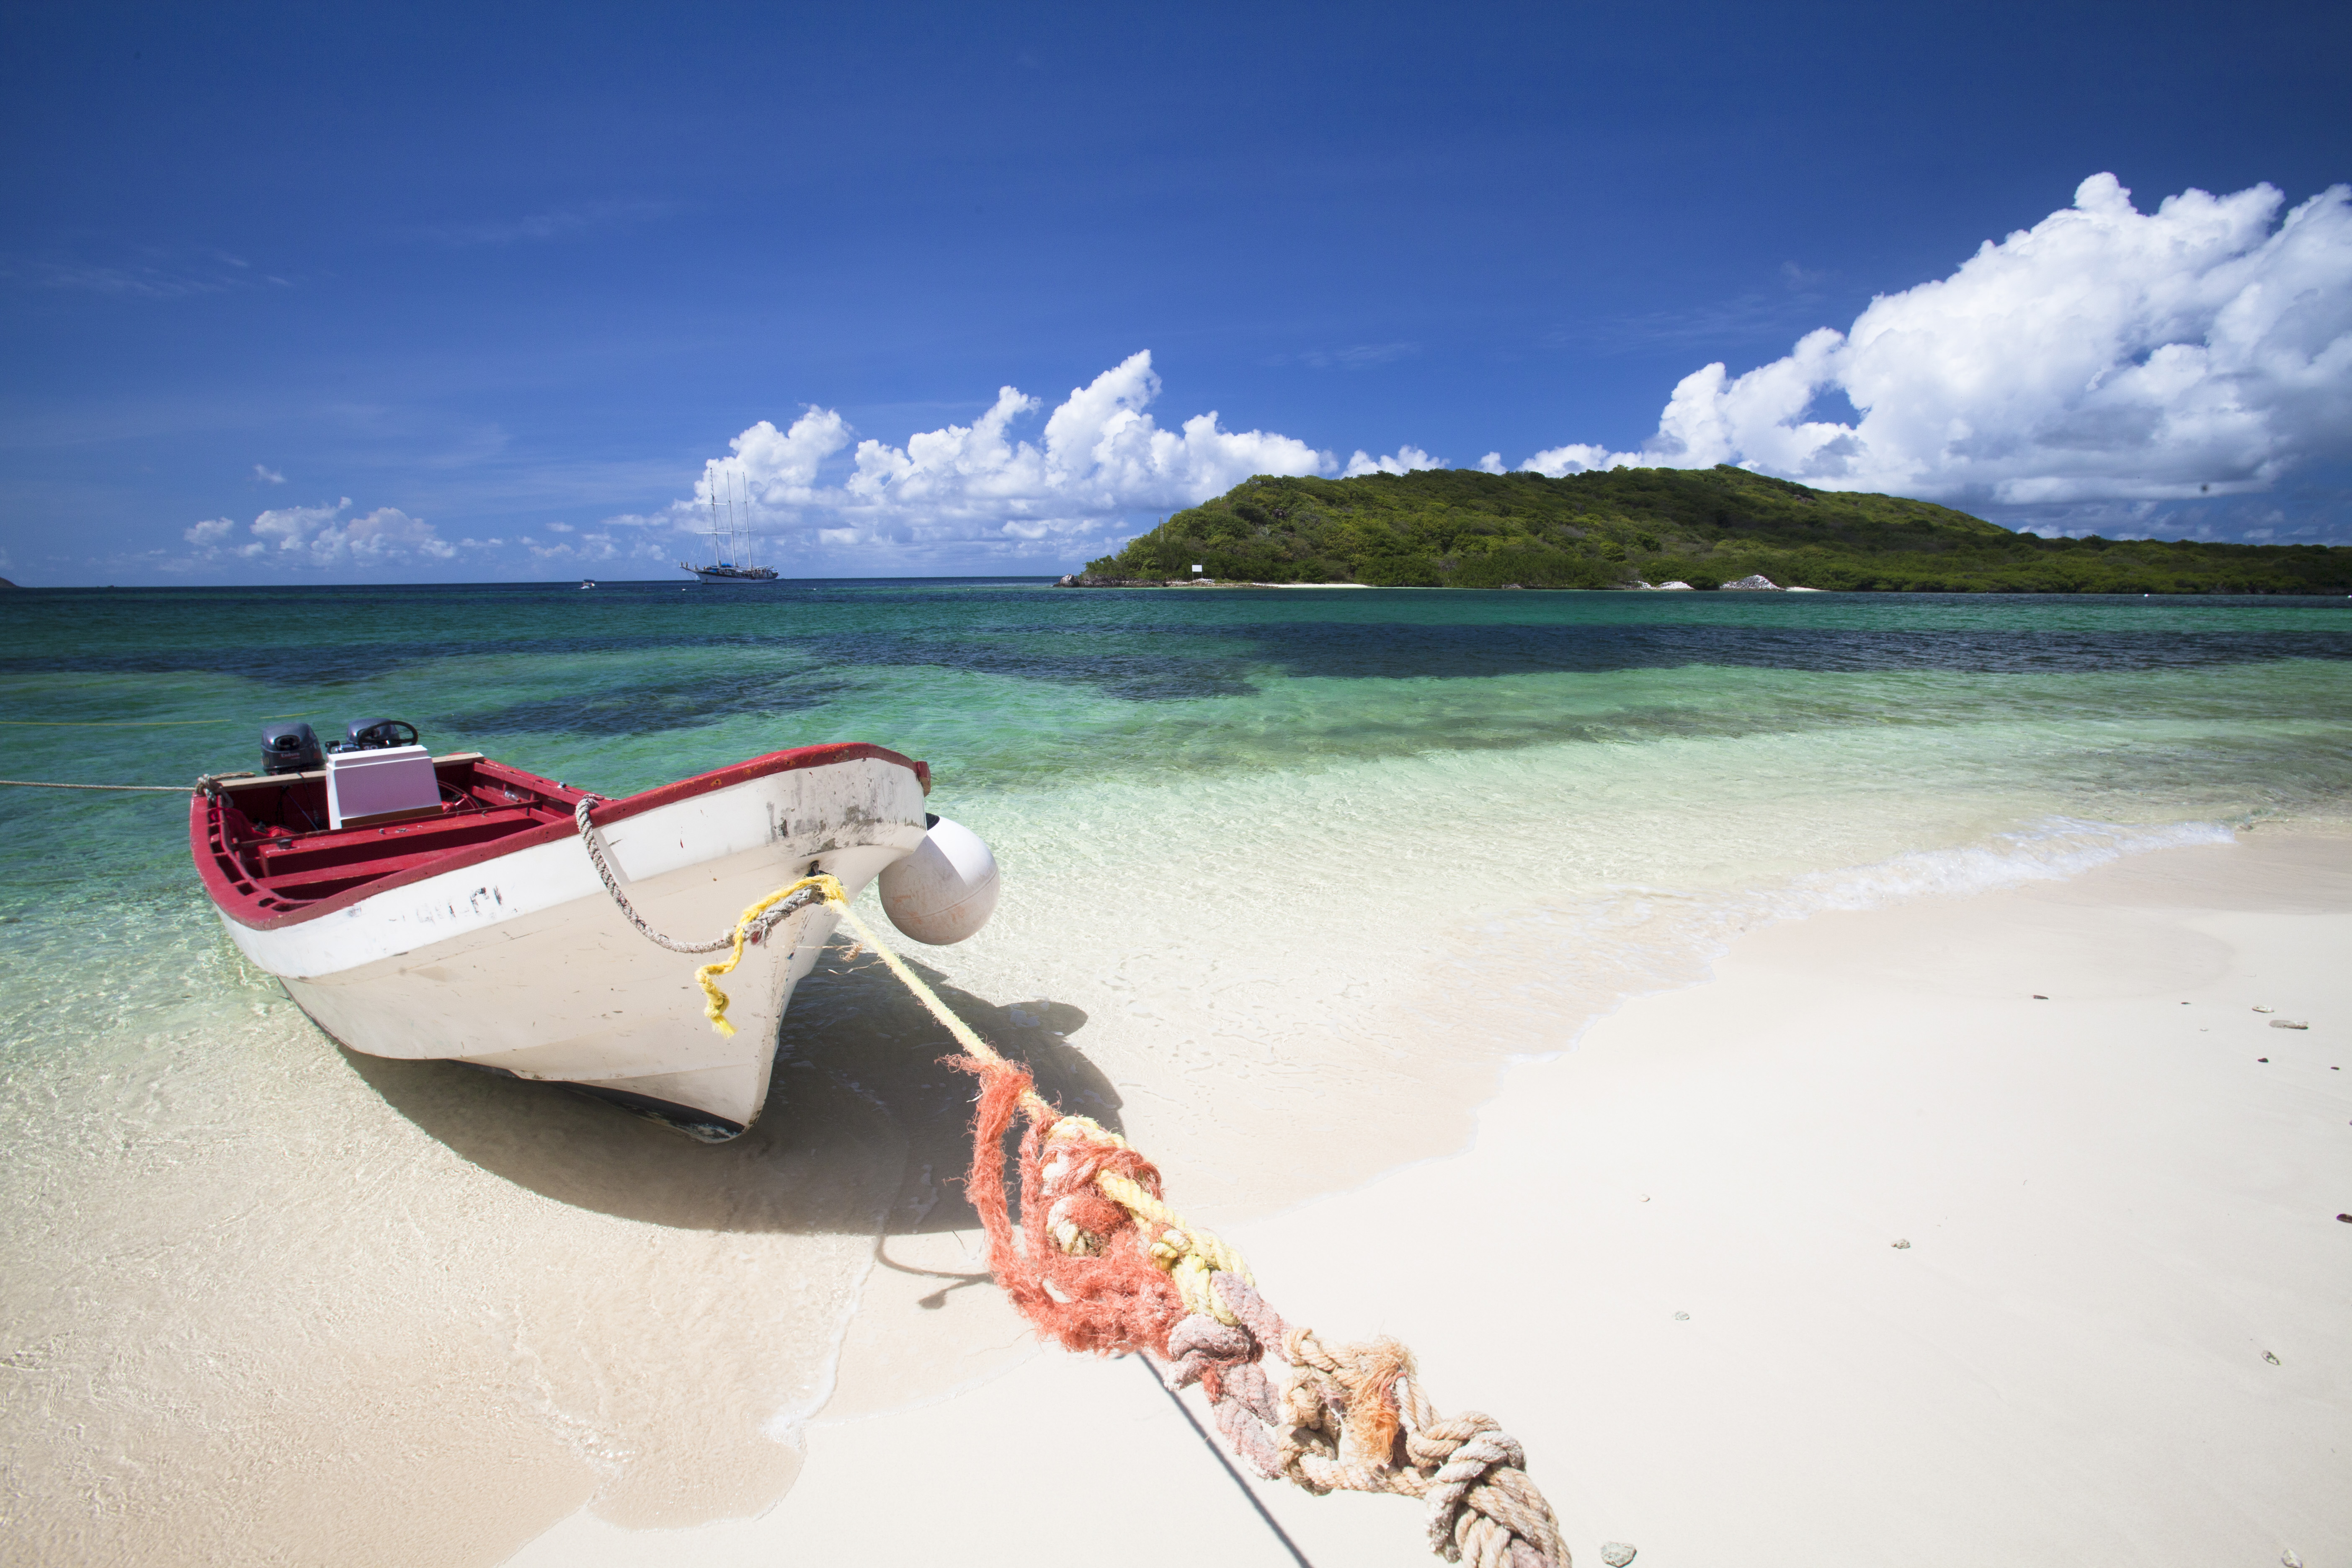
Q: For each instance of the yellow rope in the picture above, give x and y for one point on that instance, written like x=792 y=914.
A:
x=1188 y=1253
x=962 y=1031
x=715 y=1005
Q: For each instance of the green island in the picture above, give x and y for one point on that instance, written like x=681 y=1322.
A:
x=1461 y=528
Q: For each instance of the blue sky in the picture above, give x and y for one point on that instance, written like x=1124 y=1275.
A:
x=304 y=294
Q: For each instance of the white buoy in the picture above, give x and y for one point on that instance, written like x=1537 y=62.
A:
x=945 y=890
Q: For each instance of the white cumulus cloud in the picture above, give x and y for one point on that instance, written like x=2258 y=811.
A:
x=2104 y=355
x=1577 y=458
x=321 y=536
x=1405 y=459
x=1098 y=457
x=593 y=546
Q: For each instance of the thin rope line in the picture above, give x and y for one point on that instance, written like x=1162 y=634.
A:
x=1031 y=1100
x=44 y=784
x=1248 y=1491
x=107 y=724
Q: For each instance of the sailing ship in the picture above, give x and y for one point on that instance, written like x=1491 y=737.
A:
x=731 y=543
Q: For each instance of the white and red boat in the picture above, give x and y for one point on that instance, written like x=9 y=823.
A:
x=475 y=927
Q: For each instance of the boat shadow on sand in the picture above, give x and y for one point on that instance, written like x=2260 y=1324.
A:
x=866 y=1131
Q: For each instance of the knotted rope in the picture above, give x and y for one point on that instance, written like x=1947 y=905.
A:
x=1101 y=1263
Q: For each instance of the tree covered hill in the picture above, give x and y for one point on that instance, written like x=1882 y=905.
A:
x=1464 y=529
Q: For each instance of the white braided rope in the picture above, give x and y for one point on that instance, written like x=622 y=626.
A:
x=752 y=932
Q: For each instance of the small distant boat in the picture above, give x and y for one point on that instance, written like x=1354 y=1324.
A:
x=448 y=908
x=730 y=544
x=587 y=581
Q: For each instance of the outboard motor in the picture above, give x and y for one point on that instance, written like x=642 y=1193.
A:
x=290 y=748
x=377 y=734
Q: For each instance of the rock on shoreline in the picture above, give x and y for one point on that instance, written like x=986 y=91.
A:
x=1088 y=580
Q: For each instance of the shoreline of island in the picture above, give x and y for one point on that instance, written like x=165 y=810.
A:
x=1463 y=528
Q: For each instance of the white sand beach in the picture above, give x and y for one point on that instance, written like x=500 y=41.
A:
x=1668 y=1261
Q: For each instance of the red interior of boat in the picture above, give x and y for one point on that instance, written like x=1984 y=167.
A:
x=270 y=840
x=268 y=858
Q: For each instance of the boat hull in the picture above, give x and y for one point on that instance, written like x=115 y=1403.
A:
x=523 y=964
x=740 y=579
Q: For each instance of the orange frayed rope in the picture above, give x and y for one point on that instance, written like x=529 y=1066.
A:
x=1102 y=1263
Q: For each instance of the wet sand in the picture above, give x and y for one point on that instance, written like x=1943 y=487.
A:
x=1666 y=1259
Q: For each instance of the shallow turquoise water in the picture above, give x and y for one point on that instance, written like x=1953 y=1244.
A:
x=1710 y=740
x=2131 y=710
x=1285 y=869
x=1010 y=683
x=1687 y=741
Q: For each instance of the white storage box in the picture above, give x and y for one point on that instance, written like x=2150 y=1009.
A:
x=393 y=784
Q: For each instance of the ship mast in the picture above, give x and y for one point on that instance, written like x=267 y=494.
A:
x=734 y=525
x=716 y=557
x=748 y=536
x=730 y=536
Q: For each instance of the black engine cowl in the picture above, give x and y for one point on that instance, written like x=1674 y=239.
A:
x=290 y=748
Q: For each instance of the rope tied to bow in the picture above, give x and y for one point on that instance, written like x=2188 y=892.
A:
x=751 y=926
x=819 y=889
x=1101 y=1262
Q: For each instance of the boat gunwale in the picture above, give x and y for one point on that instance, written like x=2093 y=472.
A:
x=240 y=898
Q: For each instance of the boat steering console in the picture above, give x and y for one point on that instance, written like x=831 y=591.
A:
x=294 y=748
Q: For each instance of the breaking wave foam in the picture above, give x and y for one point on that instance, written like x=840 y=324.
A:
x=2051 y=849
x=1539 y=977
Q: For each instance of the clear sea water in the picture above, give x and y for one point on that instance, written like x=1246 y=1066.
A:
x=1319 y=860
